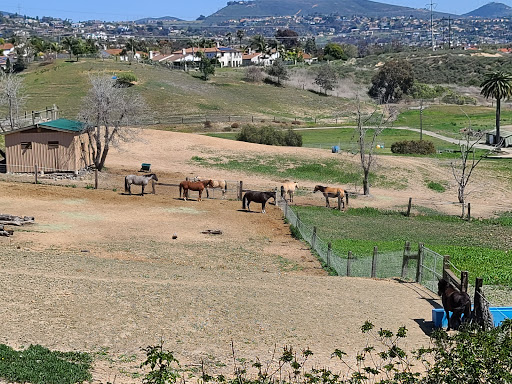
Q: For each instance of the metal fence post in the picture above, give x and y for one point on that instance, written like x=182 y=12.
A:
x=349 y=261
x=95 y=179
x=313 y=239
x=405 y=261
x=374 y=261
x=329 y=250
x=419 y=269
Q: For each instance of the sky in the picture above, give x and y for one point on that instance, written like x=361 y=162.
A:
x=116 y=10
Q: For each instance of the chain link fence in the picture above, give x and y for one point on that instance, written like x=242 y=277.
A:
x=421 y=265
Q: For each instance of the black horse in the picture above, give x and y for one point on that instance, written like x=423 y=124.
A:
x=454 y=301
x=258 y=197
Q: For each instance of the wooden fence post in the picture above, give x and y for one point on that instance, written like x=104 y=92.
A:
x=464 y=281
x=240 y=191
x=446 y=266
x=35 y=173
x=374 y=262
x=469 y=211
x=405 y=261
x=313 y=239
x=478 y=298
x=329 y=250
x=409 y=207
x=349 y=261
x=95 y=179
x=346 y=199
x=419 y=271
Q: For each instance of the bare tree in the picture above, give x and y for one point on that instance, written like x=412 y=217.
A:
x=369 y=127
x=107 y=111
x=11 y=96
x=462 y=169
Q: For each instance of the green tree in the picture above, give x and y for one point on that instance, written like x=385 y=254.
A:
x=310 y=46
x=326 y=78
x=393 y=80
x=67 y=43
x=229 y=36
x=206 y=65
x=279 y=70
x=78 y=48
x=497 y=85
x=333 y=51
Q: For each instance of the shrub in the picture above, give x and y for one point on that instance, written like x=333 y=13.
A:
x=208 y=124
x=456 y=98
x=296 y=122
x=126 y=79
x=418 y=147
x=254 y=74
x=270 y=136
x=235 y=125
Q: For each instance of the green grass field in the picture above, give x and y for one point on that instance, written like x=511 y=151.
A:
x=480 y=246
x=345 y=138
x=448 y=120
x=174 y=92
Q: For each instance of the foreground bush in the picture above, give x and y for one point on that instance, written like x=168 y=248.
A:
x=415 y=147
x=39 y=365
x=270 y=136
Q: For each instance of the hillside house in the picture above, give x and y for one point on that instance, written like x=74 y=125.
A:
x=54 y=146
x=6 y=49
x=226 y=56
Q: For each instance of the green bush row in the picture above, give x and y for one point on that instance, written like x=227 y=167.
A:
x=270 y=136
x=418 y=147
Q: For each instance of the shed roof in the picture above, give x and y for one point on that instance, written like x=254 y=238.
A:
x=64 y=125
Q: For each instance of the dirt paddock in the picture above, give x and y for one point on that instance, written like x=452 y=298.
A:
x=100 y=272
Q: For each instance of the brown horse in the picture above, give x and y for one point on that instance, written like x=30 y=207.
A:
x=193 y=186
x=330 y=192
x=454 y=301
x=289 y=188
x=222 y=184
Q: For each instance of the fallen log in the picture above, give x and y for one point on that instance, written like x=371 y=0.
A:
x=15 y=220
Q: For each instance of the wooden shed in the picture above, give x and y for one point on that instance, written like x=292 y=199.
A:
x=54 y=146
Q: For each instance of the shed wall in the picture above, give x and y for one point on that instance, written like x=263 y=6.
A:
x=67 y=156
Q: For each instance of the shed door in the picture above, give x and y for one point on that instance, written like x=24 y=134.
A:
x=53 y=155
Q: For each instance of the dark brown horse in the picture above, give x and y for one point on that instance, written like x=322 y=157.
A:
x=454 y=301
x=193 y=186
x=258 y=197
x=330 y=192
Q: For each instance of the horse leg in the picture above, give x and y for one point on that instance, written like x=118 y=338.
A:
x=142 y=193
x=185 y=194
x=263 y=207
x=448 y=317
x=200 y=193
x=327 y=201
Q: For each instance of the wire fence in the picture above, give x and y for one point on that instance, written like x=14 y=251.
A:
x=421 y=264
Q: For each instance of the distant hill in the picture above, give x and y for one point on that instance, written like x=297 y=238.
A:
x=491 y=10
x=236 y=10
x=149 y=20
x=5 y=13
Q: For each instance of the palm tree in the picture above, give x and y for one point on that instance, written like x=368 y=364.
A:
x=68 y=42
x=229 y=36
x=258 y=43
x=240 y=34
x=498 y=85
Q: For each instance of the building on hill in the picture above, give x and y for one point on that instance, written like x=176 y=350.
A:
x=226 y=56
x=59 y=145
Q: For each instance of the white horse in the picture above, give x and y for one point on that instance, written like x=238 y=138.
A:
x=289 y=188
x=138 y=180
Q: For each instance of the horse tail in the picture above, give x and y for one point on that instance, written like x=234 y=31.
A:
x=244 y=200
x=126 y=183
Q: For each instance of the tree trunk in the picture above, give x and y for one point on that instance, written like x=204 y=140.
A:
x=498 y=113
x=366 y=182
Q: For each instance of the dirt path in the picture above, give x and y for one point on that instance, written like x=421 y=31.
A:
x=100 y=271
